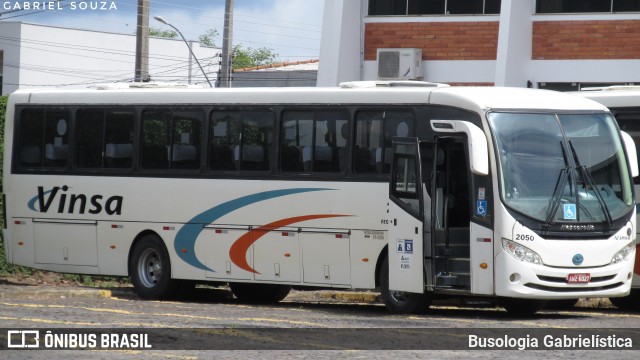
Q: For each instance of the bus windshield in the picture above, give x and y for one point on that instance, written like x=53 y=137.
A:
x=562 y=168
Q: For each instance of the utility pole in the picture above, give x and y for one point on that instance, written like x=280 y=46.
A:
x=227 y=40
x=142 y=42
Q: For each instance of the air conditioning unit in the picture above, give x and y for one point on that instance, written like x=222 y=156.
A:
x=400 y=64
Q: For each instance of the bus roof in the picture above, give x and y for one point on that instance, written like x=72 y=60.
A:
x=613 y=96
x=478 y=99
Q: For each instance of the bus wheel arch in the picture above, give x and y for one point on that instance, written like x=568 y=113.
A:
x=383 y=255
x=150 y=267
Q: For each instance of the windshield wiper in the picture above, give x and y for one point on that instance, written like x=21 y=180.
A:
x=556 y=199
x=586 y=175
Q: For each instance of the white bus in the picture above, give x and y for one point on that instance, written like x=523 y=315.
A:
x=624 y=103
x=415 y=189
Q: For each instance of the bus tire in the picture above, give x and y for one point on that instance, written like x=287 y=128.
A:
x=260 y=293
x=522 y=307
x=628 y=303
x=399 y=302
x=151 y=269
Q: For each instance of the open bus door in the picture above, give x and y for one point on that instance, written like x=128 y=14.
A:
x=432 y=241
x=403 y=288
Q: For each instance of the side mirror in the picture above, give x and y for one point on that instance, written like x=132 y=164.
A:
x=478 y=151
x=630 y=145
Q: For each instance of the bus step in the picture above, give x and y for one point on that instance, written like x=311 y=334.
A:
x=447 y=279
x=453 y=280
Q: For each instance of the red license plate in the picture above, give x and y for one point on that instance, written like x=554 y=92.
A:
x=579 y=278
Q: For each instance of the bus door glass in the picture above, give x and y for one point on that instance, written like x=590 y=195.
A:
x=406 y=214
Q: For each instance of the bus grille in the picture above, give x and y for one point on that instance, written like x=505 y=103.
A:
x=572 y=289
x=564 y=280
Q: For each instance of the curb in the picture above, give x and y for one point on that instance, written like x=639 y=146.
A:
x=44 y=293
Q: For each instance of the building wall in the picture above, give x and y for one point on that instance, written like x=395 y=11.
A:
x=596 y=39
x=438 y=40
x=518 y=47
x=45 y=56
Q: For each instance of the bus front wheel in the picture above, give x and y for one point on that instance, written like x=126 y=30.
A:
x=400 y=302
x=260 y=293
x=150 y=269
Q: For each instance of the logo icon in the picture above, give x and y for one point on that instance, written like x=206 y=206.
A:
x=577 y=259
x=23 y=339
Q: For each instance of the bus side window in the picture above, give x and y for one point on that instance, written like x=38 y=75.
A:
x=225 y=136
x=31 y=130
x=257 y=135
x=184 y=151
x=310 y=141
x=241 y=140
x=155 y=139
x=118 y=139
x=374 y=133
x=44 y=138
x=104 y=139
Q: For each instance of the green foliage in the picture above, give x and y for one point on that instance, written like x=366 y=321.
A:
x=250 y=57
x=171 y=34
x=3 y=108
x=208 y=38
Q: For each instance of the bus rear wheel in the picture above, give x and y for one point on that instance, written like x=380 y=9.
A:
x=522 y=307
x=260 y=293
x=150 y=269
x=400 y=302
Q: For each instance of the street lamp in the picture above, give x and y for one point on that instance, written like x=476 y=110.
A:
x=162 y=20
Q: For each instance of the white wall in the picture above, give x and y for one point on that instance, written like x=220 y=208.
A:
x=43 y=56
x=341 y=45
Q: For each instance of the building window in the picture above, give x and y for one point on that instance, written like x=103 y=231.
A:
x=433 y=7
x=586 y=6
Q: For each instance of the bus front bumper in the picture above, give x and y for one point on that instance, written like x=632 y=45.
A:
x=518 y=279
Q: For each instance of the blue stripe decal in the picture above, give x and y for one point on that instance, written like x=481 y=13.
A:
x=187 y=235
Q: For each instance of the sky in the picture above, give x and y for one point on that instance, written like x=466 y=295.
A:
x=290 y=28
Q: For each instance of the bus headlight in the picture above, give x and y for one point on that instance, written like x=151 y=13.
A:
x=520 y=252
x=623 y=254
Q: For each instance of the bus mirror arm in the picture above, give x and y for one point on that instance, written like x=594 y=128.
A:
x=630 y=146
x=478 y=151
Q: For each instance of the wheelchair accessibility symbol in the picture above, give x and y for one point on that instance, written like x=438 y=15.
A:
x=570 y=211
x=481 y=208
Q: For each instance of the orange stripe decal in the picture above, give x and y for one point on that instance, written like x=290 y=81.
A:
x=238 y=251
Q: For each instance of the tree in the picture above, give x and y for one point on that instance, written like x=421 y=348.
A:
x=252 y=57
x=208 y=38
x=170 y=34
x=242 y=58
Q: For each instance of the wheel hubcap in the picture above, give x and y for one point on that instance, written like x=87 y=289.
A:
x=149 y=268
